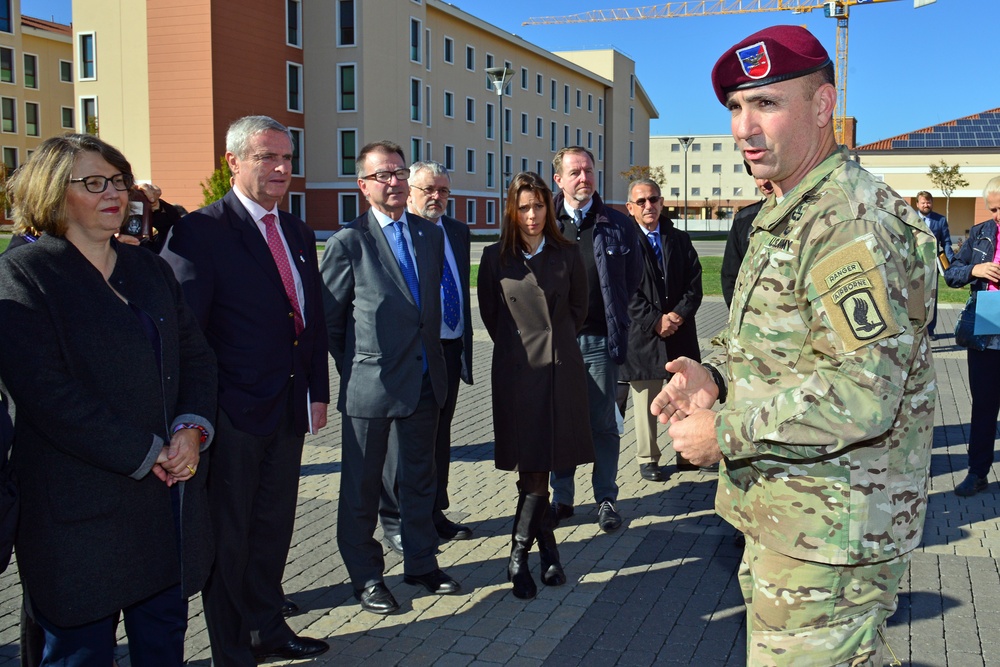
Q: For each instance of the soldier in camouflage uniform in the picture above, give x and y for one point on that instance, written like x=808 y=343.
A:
x=825 y=438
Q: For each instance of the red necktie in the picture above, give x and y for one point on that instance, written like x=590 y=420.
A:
x=281 y=259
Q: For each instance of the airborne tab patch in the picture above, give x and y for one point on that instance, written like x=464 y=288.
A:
x=850 y=285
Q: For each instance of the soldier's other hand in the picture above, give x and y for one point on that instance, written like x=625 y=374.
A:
x=694 y=438
x=691 y=388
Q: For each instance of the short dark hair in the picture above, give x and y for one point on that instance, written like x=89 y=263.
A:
x=385 y=146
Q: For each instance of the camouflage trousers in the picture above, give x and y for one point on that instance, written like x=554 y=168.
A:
x=807 y=614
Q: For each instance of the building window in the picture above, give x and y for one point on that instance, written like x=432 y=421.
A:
x=539 y=166
x=30 y=71
x=590 y=140
x=490 y=181
x=675 y=148
x=348 y=152
x=293 y=21
x=345 y=24
x=470 y=58
x=716 y=168
x=67 y=118
x=470 y=160
x=449 y=210
x=524 y=164
x=737 y=168
x=716 y=192
x=347 y=101
x=415 y=103
x=415 y=31
x=675 y=169
x=507 y=64
x=566 y=99
x=297 y=205
x=696 y=169
x=348 y=205
x=415 y=143
x=86 y=57
x=675 y=192
x=695 y=192
x=470 y=109
x=427 y=151
x=539 y=84
x=631 y=153
x=66 y=71
x=297 y=144
x=600 y=111
x=579 y=98
x=590 y=102
x=489 y=64
x=8 y=114
x=88 y=114
x=5 y=15
x=539 y=127
x=449 y=157
x=449 y=104
x=579 y=137
x=631 y=119
x=565 y=135
x=696 y=148
x=737 y=192
x=508 y=169
x=470 y=211
x=631 y=86
x=31 y=119
x=524 y=123
x=449 y=50
x=508 y=121
x=524 y=78
x=600 y=180
x=716 y=147
x=489 y=121
x=10 y=159
x=294 y=87
x=491 y=211
x=600 y=147
x=553 y=103
x=552 y=136
x=427 y=48
x=6 y=64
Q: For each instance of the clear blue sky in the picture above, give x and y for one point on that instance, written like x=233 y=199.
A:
x=908 y=68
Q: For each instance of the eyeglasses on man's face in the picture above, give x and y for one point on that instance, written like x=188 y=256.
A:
x=98 y=184
x=386 y=176
x=430 y=192
x=653 y=201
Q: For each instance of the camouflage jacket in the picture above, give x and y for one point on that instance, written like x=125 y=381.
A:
x=827 y=430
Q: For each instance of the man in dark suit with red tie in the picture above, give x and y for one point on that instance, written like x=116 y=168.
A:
x=249 y=272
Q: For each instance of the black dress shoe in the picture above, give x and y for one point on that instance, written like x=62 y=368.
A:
x=651 y=472
x=607 y=517
x=560 y=512
x=295 y=648
x=289 y=608
x=377 y=599
x=435 y=581
x=448 y=530
x=395 y=542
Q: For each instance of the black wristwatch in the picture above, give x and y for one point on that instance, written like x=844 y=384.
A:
x=720 y=382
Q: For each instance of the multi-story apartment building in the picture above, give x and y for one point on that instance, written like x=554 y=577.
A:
x=36 y=82
x=167 y=77
x=717 y=182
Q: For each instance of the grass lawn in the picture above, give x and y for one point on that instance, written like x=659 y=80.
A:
x=712 y=284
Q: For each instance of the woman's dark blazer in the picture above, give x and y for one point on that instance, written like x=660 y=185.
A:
x=93 y=410
x=532 y=310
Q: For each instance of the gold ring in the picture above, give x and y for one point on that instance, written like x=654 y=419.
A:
x=193 y=470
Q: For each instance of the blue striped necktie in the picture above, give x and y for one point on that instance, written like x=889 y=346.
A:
x=406 y=261
x=655 y=242
x=449 y=297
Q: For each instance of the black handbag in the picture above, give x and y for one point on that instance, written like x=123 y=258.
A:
x=965 y=326
x=9 y=503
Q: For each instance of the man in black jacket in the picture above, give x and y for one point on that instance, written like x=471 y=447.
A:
x=610 y=249
x=662 y=313
x=739 y=238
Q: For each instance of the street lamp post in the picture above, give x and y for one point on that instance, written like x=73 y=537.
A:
x=500 y=77
x=685 y=142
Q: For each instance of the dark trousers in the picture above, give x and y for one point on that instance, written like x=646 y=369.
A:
x=253 y=488
x=984 y=385
x=389 y=505
x=155 y=628
x=365 y=444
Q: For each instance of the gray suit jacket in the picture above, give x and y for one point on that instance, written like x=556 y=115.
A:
x=460 y=240
x=378 y=336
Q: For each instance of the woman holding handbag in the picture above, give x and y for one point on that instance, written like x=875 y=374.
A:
x=977 y=264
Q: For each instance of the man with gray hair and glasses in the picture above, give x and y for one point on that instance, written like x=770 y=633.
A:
x=430 y=187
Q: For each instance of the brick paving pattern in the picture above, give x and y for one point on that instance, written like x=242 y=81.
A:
x=661 y=590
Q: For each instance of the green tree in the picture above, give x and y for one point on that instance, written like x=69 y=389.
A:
x=92 y=126
x=645 y=171
x=947 y=179
x=218 y=183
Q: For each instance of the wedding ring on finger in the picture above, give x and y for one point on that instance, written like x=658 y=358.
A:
x=192 y=469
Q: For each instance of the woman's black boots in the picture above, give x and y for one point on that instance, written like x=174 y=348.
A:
x=525 y=531
x=552 y=570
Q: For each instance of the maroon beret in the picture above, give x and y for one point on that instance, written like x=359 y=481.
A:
x=778 y=53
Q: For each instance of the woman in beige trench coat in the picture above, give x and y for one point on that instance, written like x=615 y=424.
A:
x=533 y=298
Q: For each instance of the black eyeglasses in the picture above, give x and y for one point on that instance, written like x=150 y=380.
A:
x=386 y=176
x=98 y=184
x=430 y=192
x=654 y=200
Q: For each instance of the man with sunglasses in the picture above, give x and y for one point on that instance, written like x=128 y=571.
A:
x=430 y=187
x=662 y=312
x=382 y=281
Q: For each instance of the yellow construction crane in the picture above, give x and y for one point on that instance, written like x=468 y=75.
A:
x=837 y=9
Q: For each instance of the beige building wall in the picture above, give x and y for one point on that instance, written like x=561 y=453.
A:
x=121 y=81
x=715 y=172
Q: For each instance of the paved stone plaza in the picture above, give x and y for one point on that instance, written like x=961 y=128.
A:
x=661 y=590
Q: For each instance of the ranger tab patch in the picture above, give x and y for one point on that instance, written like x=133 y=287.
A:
x=850 y=285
